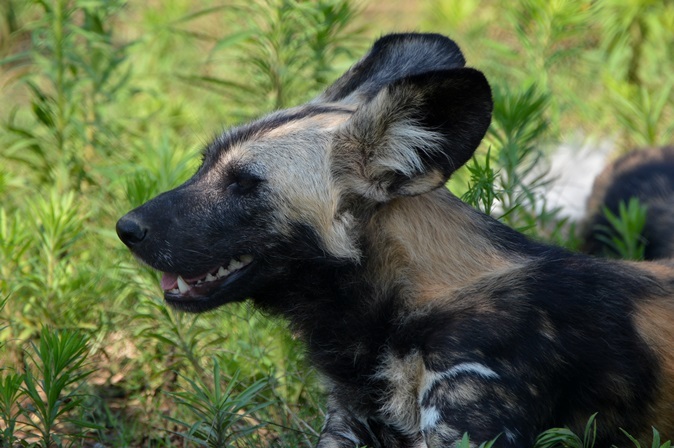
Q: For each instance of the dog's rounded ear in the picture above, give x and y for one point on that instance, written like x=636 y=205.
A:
x=414 y=133
x=393 y=57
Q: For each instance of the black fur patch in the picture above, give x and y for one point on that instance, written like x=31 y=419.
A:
x=457 y=103
x=393 y=57
x=563 y=345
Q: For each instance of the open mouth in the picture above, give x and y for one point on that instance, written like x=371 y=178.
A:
x=177 y=288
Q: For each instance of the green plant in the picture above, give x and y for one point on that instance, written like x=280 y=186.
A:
x=519 y=124
x=656 y=443
x=223 y=415
x=10 y=394
x=77 y=70
x=465 y=442
x=509 y=181
x=635 y=34
x=623 y=235
x=58 y=226
x=11 y=15
x=636 y=40
x=47 y=250
x=15 y=240
x=286 y=53
x=564 y=437
x=179 y=332
x=152 y=172
x=643 y=111
x=52 y=384
x=482 y=191
x=549 y=33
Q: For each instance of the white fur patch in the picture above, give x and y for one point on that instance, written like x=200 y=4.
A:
x=430 y=417
x=350 y=436
x=470 y=368
x=401 y=406
x=403 y=142
x=510 y=435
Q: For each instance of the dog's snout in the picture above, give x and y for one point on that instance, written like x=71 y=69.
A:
x=130 y=230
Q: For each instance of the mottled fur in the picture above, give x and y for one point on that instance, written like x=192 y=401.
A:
x=427 y=318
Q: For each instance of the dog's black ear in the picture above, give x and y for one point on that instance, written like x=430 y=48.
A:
x=414 y=133
x=394 y=57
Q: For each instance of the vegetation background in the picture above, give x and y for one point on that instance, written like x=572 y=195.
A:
x=105 y=103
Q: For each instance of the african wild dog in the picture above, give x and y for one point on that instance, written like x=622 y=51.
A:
x=647 y=175
x=427 y=318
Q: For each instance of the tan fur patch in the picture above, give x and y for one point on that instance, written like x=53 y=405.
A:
x=410 y=244
x=654 y=319
x=401 y=406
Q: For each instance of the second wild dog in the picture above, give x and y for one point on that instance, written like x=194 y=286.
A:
x=647 y=175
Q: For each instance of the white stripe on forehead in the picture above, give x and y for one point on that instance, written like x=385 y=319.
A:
x=276 y=120
x=294 y=161
x=288 y=137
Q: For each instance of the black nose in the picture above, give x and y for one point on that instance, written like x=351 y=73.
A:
x=130 y=231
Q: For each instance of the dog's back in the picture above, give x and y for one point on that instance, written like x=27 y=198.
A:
x=647 y=175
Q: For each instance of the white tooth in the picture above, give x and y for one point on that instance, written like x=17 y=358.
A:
x=182 y=285
x=210 y=278
x=222 y=272
x=174 y=291
x=234 y=265
x=199 y=282
x=245 y=259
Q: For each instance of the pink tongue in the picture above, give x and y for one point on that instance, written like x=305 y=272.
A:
x=169 y=281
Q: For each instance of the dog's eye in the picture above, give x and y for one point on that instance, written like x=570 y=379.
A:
x=243 y=183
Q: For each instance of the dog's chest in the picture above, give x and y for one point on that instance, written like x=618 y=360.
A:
x=398 y=405
x=386 y=401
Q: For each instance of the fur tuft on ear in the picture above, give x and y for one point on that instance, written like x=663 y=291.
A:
x=393 y=57
x=414 y=133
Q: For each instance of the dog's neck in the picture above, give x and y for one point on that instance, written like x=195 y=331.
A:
x=424 y=248
x=421 y=249
x=434 y=244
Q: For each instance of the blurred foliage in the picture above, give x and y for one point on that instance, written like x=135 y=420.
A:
x=593 y=58
x=106 y=103
x=285 y=54
x=623 y=236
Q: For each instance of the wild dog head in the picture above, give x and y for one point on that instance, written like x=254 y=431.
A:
x=294 y=186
